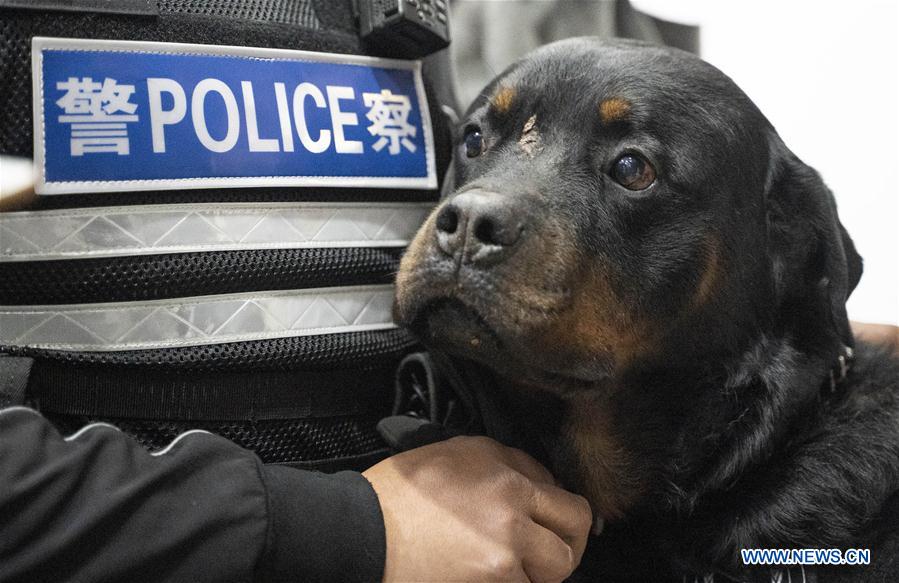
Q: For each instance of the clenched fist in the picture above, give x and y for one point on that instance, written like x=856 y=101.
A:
x=472 y=509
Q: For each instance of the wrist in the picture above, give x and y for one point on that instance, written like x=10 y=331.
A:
x=322 y=527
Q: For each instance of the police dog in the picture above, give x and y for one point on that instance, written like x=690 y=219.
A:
x=658 y=284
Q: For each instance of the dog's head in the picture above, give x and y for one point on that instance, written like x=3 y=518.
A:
x=618 y=205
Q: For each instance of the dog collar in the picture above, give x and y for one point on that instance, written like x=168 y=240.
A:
x=838 y=372
x=788 y=574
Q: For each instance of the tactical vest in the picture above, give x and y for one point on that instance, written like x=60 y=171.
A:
x=218 y=222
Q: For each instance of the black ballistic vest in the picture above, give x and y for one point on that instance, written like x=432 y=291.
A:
x=177 y=309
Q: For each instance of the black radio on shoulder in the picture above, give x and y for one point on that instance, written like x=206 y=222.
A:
x=407 y=29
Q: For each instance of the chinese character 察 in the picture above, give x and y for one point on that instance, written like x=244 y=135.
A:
x=389 y=117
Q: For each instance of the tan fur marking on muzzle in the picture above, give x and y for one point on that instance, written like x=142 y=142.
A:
x=599 y=322
x=415 y=254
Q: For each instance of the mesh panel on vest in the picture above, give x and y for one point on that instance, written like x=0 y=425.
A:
x=296 y=12
x=174 y=275
x=314 y=352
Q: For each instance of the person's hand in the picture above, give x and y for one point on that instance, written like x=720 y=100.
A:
x=471 y=509
x=878 y=334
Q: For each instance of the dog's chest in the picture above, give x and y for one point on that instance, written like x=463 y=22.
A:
x=595 y=458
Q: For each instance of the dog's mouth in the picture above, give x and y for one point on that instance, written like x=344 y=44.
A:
x=454 y=326
x=451 y=325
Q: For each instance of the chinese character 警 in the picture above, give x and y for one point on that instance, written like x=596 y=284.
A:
x=99 y=114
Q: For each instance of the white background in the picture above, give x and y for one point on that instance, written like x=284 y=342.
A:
x=826 y=74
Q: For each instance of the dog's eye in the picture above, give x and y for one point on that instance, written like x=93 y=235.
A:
x=633 y=172
x=474 y=142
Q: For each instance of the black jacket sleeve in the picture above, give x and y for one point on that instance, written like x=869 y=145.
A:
x=96 y=506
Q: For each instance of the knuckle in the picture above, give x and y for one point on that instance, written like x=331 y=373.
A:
x=564 y=567
x=457 y=441
x=519 y=456
x=482 y=444
x=514 y=484
x=584 y=512
x=534 y=468
x=568 y=565
x=502 y=564
x=509 y=524
x=480 y=440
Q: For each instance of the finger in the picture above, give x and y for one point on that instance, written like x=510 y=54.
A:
x=528 y=466
x=547 y=558
x=567 y=515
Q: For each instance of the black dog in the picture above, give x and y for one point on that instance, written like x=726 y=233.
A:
x=659 y=285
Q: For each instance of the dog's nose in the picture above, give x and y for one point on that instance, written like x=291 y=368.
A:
x=482 y=227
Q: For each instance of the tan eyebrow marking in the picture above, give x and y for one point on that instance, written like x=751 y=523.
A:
x=502 y=100
x=613 y=109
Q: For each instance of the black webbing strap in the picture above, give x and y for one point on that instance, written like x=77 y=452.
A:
x=438 y=397
x=14 y=374
x=122 y=392
x=478 y=390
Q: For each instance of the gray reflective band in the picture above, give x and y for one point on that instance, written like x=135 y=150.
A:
x=154 y=229
x=198 y=320
x=141 y=7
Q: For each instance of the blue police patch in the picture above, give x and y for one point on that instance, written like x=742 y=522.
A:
x=122 y=115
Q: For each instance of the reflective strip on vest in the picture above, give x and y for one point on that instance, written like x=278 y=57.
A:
x=156 y=229
x=199 y=320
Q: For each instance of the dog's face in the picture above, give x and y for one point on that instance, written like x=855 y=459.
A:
x=616 y=205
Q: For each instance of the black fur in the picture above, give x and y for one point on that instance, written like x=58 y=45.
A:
x=726 y=413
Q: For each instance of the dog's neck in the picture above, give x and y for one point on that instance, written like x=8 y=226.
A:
x=757 y=400
x=792 y=464
x=666 y=440
x=683 y=451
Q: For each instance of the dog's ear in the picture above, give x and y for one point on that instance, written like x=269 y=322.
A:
x=814 y=262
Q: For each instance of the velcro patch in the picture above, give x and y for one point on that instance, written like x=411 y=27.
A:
x=123 y=115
